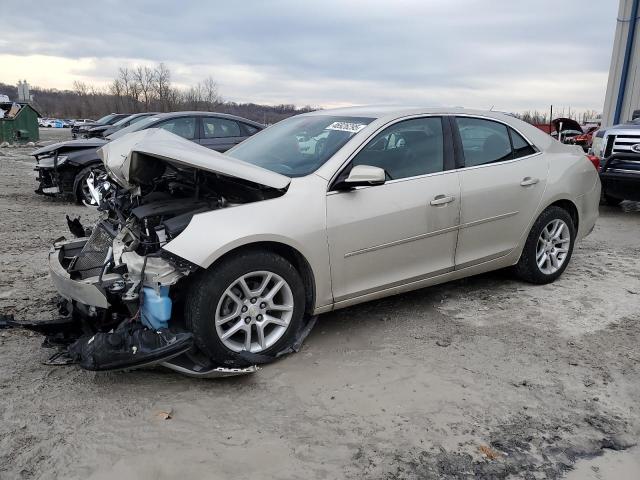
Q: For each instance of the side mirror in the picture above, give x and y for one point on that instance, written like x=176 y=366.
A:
x=363 y=176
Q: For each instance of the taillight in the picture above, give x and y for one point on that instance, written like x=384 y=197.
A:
x=595 y=160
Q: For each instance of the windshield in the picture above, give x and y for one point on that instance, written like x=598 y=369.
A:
x=123 y=120
x=105 y=119
x=134 y=127
x=299 y=145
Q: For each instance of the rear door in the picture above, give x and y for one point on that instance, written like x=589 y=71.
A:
x=502 y=182
x=220 y=134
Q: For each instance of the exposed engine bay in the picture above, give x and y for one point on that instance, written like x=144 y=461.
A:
x=121 y=292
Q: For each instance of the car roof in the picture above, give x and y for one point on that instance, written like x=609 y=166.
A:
x=396 y=111
x=208 y=114
x=387 y=113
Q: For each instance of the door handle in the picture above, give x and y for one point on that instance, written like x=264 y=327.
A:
x=527 y=181
x=441 y=200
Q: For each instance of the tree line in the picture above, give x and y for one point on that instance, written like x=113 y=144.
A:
x=536 y=117
x=145 y=89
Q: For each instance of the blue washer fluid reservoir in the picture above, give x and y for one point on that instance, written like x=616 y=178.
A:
x=156 y=308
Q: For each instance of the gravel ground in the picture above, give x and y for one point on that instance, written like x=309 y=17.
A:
x=481 y=378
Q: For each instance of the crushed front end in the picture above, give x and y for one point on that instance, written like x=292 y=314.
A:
x=121 y=287
x=121 y=292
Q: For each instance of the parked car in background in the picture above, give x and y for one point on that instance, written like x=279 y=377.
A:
x=83 y=121
x=52 y=123
x=397 y=199
x=565 y=129
x=106 y=130
x=584 y=139
x=80 y=130
x=64 y=167
x=617 y=149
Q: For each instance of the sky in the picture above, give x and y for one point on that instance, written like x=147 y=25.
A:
x=512 y=55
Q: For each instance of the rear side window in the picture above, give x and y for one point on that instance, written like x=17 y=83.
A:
x=406 y=149
x=521 y=147
x=250 y=129
x=483 y=141
x=220 y=128
x=182 y=126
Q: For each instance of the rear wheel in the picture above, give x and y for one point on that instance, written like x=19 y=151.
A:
x=251 y=302
x=548 y=248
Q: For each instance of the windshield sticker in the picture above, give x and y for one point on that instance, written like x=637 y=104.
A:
x=346 y=127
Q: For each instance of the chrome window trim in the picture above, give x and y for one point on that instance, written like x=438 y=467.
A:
x=427 y=115
x=504 y=162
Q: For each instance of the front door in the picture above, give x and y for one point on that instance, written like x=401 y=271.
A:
x=404 y=230
x=501 y=187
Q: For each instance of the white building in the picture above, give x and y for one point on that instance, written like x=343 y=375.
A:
x=623 y=87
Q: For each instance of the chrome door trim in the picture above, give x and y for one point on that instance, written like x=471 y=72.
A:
x=401 y=241
x=488 y=219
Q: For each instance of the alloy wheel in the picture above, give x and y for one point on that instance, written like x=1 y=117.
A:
x=254 y=312
x=553 y=246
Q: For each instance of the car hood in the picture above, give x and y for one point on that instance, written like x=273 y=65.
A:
x=117 y=156
x=70 y=145
x=567 y=124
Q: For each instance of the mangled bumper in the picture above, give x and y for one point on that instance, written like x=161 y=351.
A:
x=85 y=291
x=88 y=287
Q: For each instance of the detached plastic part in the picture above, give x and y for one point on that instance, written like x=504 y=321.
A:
x=130 y=346
x=187 y=365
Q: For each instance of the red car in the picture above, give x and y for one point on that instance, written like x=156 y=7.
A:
x=586 y=138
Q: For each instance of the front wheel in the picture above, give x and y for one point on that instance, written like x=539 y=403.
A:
x=548 y=248
x=252 y=302
x=82 y=193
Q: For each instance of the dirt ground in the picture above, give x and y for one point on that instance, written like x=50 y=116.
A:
x=481 y=378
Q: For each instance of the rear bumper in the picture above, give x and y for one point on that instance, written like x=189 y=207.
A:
x=620 y=176
x=84 y=291
x=588 y=206
x=623 y=185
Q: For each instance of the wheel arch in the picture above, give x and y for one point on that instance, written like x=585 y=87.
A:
x=570 y=207
x=291 y=254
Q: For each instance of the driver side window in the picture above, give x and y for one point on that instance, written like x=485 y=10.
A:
x=406 y=149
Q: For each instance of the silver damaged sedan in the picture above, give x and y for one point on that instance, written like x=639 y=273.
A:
x=318 y=212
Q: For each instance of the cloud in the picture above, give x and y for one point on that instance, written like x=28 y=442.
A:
x=516 y=55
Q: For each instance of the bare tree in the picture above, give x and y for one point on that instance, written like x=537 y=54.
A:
x=210 y=92
x=162 y=87
x=143 y=89
x=145 y=78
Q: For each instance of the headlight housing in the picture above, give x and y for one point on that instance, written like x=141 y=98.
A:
x=62 y=159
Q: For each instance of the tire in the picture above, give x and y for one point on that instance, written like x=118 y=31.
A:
x=207 y=301
x=612 y=201
x=80 y=192
x=527 y=267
